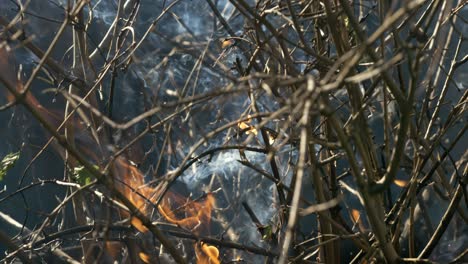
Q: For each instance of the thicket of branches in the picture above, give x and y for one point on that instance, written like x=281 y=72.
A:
x=349 y=117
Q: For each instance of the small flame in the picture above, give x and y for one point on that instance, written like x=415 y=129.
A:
x=113 y=249
x=271 y=139
x=197 y=220
x=10 y=76
x=247 y=128
x=130 y=181
x=227 y=43
x=356 y=215
x=188 y=214
x=144 y=257
x=252 y=130
x=197 y=213
x=206 y=254
x=400 y=183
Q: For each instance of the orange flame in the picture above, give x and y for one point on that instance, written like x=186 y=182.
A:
x=130 y=182
x=189 y=214
x=248 y=129
x=196 y=212
x=252 y=130
x=9 y=75
x=227 y=43
x=144 y=257
x=400 y=183
x=356 y=216
x=113 y=249
x=197 y=219
x=206 y=254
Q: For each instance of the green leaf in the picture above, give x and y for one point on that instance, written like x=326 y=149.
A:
x=82 y=175
x=7 y=163
x=267 y=232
